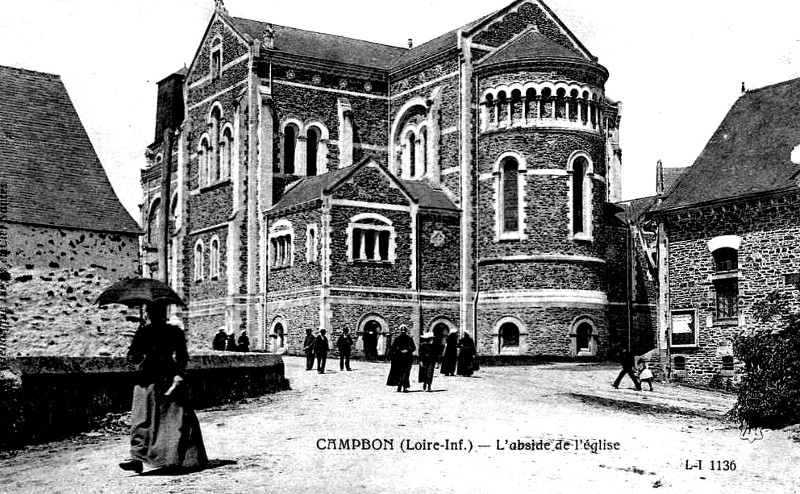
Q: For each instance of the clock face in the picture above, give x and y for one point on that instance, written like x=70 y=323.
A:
x=437 y=238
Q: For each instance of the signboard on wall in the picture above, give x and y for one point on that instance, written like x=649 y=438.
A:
x=683 y=328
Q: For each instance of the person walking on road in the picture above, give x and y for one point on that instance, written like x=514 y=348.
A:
x=321 y=346
x=165 y=431
x=308 y=349
x=466 y=356
x=450 y=355
x=402 y=360
x=428 y=356
x=345 y=345
x=626 y=360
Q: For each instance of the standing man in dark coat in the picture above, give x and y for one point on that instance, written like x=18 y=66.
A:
x=450 y=355
x=308 y=349
x=231 y=346
x=466 y=356
x=244 y=342
x=345 y=345
x=321 y=350
x=402 y=360
x=429 y=350
x=220 y=339
x=628 y=361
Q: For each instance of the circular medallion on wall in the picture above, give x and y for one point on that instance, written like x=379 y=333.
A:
x=367 y=86
x=342 y=83
x=290 y=74
x=437 y=238
x=316 y=79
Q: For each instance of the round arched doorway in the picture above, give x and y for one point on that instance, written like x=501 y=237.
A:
x=372 y=335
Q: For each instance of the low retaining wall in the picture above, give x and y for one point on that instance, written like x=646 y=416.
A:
x=54 y=397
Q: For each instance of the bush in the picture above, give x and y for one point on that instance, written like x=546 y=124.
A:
x=769 y=393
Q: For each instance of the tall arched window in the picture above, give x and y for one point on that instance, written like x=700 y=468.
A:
x=198 y=260
x=726 y=282
x=516 y=105
x=289 y=147
x=509 y=336
x=213 y=258
x=423 y=144
x=510 y=195
x=312 y=146
x=203 y=156
x=411 y=142
x=583 y=337
x=154 y=230
x=214 y=162
x=226 y=146
x=581 y=197
x=502 y=108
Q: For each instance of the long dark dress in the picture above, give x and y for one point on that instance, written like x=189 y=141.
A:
x=428 y=356
x=466 y=356
x=402 y=360
x=450 y=355
x=164 y=429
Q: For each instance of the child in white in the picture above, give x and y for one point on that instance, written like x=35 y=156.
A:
x=645 y=374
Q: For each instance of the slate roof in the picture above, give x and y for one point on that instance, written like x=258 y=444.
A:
x=750 y=151
x=531 y=45
x=53 y=174
x=324 y=46
x=311 y=188
x=670 y=177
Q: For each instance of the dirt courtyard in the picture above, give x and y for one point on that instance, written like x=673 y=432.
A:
x=546 y=428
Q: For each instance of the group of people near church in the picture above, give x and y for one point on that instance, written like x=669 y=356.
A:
x=228 y=342
x=457 y=356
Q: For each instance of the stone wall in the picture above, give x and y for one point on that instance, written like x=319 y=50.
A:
x=56 y=275
x=770 y=239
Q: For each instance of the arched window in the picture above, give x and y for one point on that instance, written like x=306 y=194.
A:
x=278 y=335
x=573 y=105
x=154 y=230
x=216 y=58
x=198 y=261
x=371 y=238
x=214 y=161
x=289 y=146
x=491 y=115
x=213 y=258
x=311 y=243
x=502 y=108
x=509 y=336
x=312 y=146
x=561 y=103
x=510 y=195
x=547 y=103
x=583 y=337
x=226 y=146
x=203 y=158
x=281 y=245
x=516 y=105
x=423 y=144
x=412 y=154
x=531 y=103
x=581 y=193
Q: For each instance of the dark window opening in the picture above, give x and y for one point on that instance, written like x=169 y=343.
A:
x=727 y=363
x=726 y=259
x=312 y=145
x=583 y=335
x=727 y=297
x=510 y=208
x=509 y=335
x=412 y=156
x=578 y=172
x=289 y=145
x=679 y=363
x=216 y=63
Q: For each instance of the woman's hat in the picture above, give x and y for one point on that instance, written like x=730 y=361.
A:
x=426 y=335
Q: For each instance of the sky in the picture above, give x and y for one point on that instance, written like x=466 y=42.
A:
x=677 y=66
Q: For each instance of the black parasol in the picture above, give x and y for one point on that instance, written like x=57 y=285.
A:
x=138 y=291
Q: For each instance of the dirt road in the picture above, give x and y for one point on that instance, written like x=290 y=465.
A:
x=547 y=428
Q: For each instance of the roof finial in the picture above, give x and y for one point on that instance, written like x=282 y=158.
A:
x=743 y=88
x=410 y=43
x=269 y=37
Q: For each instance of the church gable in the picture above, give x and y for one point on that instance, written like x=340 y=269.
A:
x=371 y=182
x=506 y=26
x=220 y=46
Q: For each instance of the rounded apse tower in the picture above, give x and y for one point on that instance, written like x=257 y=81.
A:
x=545 y=133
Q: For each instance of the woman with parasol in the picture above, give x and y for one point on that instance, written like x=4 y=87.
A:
x=165 y=431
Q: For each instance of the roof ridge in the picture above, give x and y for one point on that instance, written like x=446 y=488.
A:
x=320 y=32
x=36 y=72
x=770 y=86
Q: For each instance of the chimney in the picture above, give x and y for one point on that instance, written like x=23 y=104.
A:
x=743 y=89
x=410 y=43
x=659 y=178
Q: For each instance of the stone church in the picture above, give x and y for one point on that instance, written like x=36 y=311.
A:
x=465 y=184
